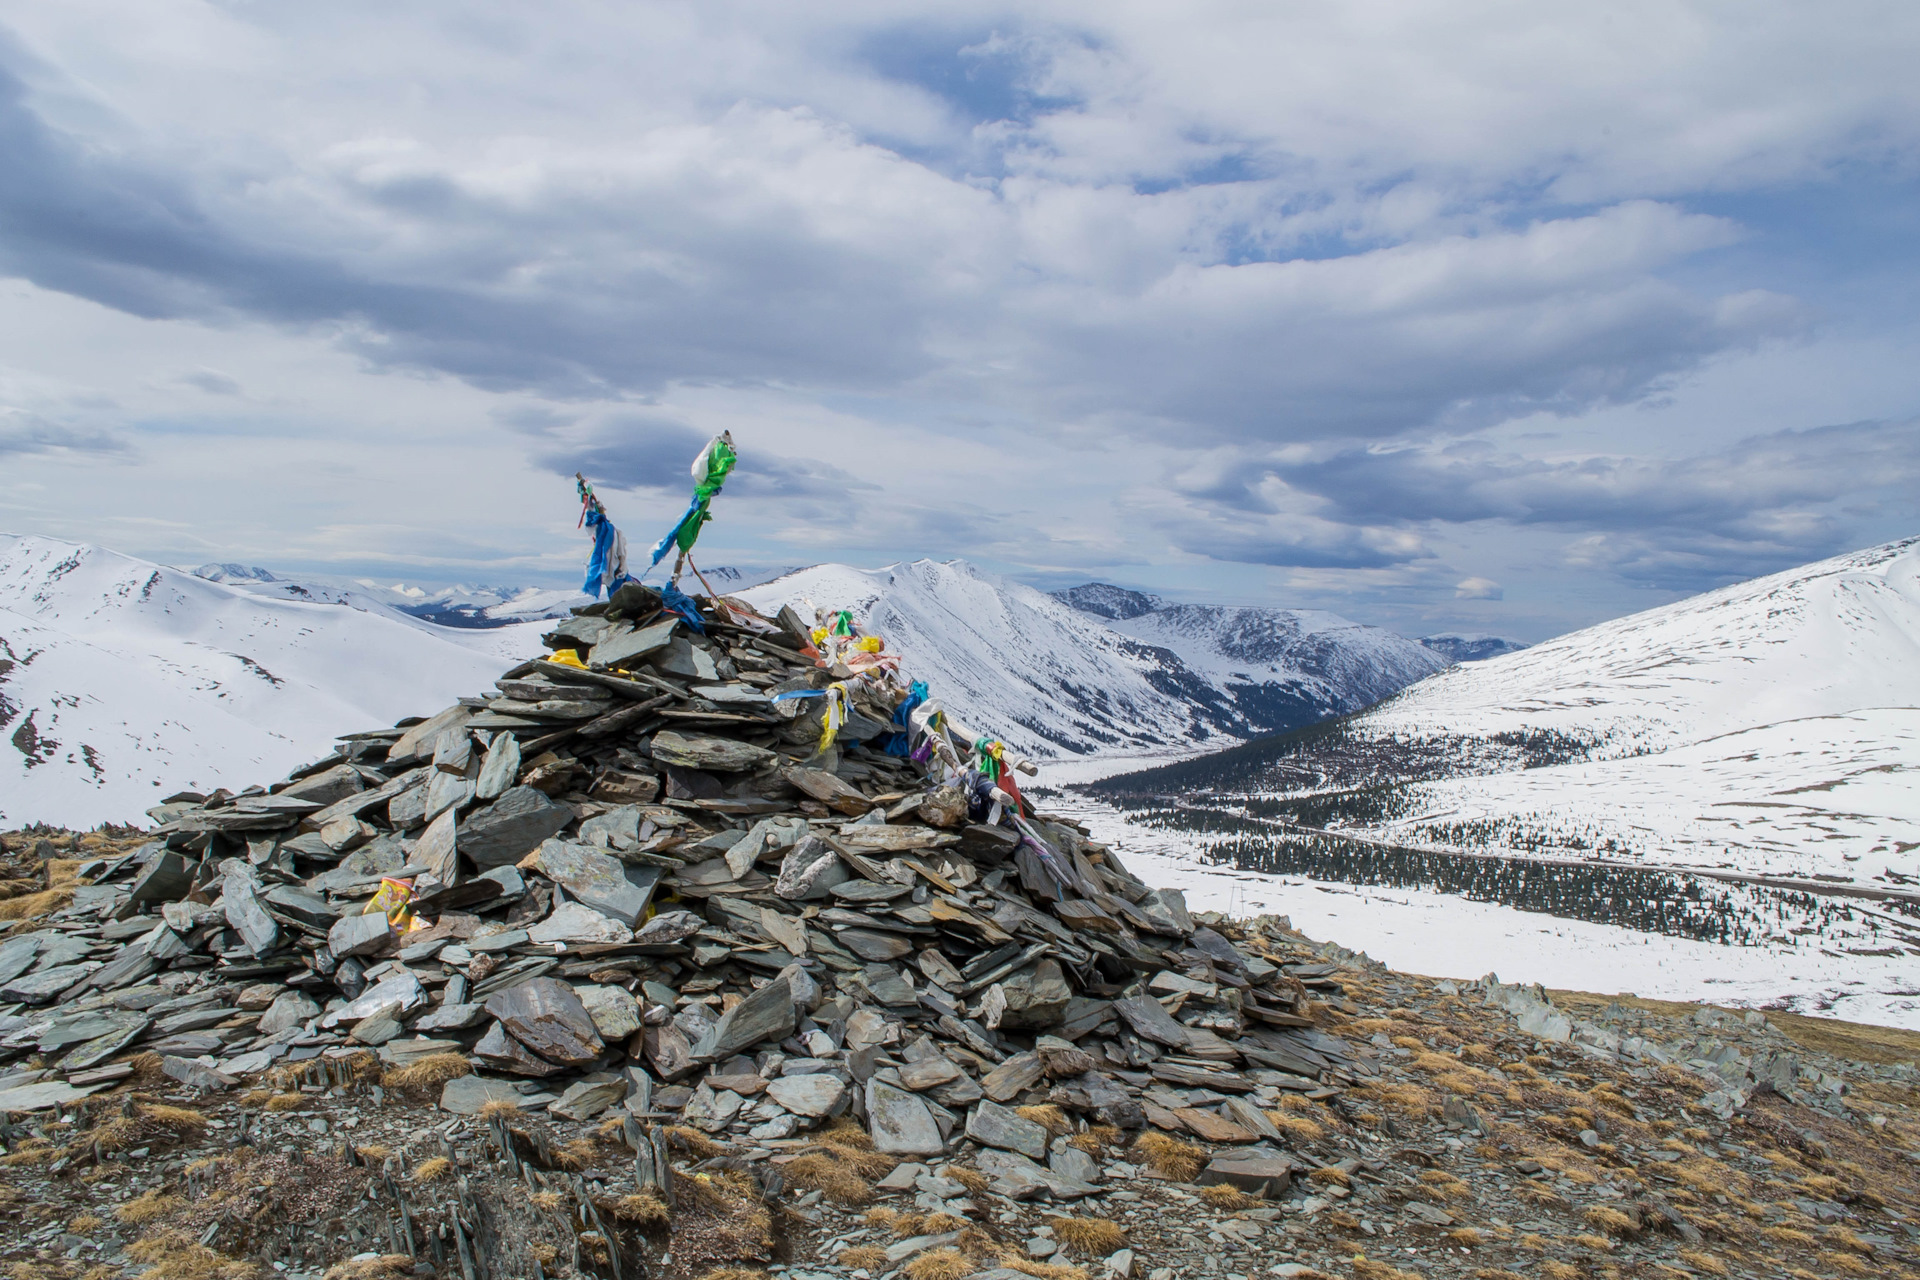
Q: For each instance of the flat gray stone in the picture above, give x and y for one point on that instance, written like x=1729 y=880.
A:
x=302 y=905
x=585 y=1099
x=500 y=768
x=40 y=1096
x=465 y=1095
x=810 y=870
x=547 y=1017
x=167 y=878
x=871 y=944
x=767 y=1014
x=450 y=1017
x=359 y=935
x=46 y=984
x=704 y=751
x=993 y=1125
x=504 y=1053
x=900 y=1122
x=79 y=1028
x=615 y=1013
x=437 y=848
x=1012 y=1077
x=326 y=787
x=511 y=827
x=600 y=880
x=619 y=648
x=578 y=923
x=289 y=1010
x=817 y=1094
x=1151 y=1021
x=260 y=931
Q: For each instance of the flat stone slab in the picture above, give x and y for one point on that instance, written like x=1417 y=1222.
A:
x=599 y=880
x=767 y=1014
x=466 y=1095
x=704 y=751
x=38 y=1097
x=817 y=1094
x=1151 y=1021
x=511 y=827
x=900 y=1122
x=993 y=1125
x=547 y=1017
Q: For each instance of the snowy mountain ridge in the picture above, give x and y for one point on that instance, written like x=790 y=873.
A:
x=1100 y=669
x=122 y=681
x=1770 y=728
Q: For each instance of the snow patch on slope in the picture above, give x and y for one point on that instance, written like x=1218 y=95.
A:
x=122 y=681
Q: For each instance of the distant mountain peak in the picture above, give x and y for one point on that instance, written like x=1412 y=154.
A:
x=1105 y=600
x=233 y=573
x=1457 y=648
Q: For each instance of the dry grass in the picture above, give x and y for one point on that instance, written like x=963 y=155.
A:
x=1599 y=1244
x=972 y=1179
x=1048 y=1117
x=429 y=1072
x=1373 y=1269
x=175 y=1255
x=1788 y=1235
x=84 y=1223
x=1407 y=1099
x=1093 y=1236
x=1227 y=1199
x=832 y=1177
x=32 y=906
x=287 y=1101
x=733 y=1273
x=1465 y=1237
x=495 y=1108
x=1444 y=1185
x=1845 y=1262
x=647 y=1211
x=870 y=1256
x=1096 y=1139
x=1556 y=1270
x=1169 y=1157
x=941 y=1264
x=391 y=1266
x=1700 y=1260
x=581 y=1153
x=1615 y=1223
x=694 y=1142
x=432 y=1169
x=1043 y=1270
x=1297 y=1127
x=147 y=1206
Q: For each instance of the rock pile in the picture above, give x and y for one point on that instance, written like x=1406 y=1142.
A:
x=692 y=948
x=637 y=877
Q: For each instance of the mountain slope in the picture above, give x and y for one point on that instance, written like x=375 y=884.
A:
x=1099 y=668
x=122 y=681
x=1768 y=728
x=1013 y=661
x=1285 y=667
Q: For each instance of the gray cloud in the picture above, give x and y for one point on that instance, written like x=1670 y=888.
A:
x=23 y=433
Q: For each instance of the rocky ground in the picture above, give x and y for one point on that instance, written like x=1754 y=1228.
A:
x=707 y=947
x=1458 y=1145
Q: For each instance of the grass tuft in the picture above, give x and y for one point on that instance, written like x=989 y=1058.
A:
x=432 y=1169
x=1169 y=1157
x=941 y=1264
x=1048 y=1117
x=1096 y=1237
x=430 y=1072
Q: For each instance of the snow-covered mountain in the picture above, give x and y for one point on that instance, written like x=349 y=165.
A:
x=1457 y=648
x=1101 y=669
x=455 y=606
x=1282 y=668
x=1768 y=728
x=122 y=681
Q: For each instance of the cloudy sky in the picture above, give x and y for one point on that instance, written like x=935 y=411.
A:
x=1480 y=316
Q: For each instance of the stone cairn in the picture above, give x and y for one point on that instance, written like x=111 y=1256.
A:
x=632 y=879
